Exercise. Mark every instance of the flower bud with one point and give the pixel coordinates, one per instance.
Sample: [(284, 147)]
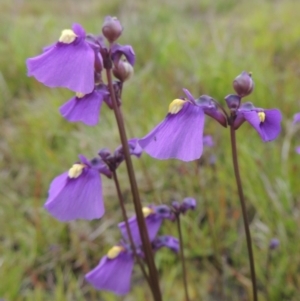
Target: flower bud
[(233, 102), (111, 28), (104, 153), (122, 70), (243, 84), (274, 244)]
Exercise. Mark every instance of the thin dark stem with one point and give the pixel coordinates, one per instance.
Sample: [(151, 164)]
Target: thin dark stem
[(121, 201), (268, 274), (135, 193), (243, 205), (182, 258)]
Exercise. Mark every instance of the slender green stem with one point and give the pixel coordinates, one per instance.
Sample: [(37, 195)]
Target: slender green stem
[(244, 211), (122, 205), (182, 258), (135, 193)]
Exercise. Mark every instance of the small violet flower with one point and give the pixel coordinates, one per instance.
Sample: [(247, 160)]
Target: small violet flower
[(114, 271), (154, 216), (265, 121), (85, 108), (69, 63), (77, 193), (180, 134)]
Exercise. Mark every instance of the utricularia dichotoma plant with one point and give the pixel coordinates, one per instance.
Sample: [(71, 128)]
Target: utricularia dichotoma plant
[(86, 64)]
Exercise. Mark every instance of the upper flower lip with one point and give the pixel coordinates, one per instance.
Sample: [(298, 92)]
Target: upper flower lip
[(66, 65)]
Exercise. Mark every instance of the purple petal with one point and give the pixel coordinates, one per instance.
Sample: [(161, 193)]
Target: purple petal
[(178, 136), (188, 204), (79, 30), (118, 50), (297, 149), (79, 198), (297, 117), (65, 65), (270, 128), (189, 96), (85, 109), (113, 274), (167, 241), (153, 223), (134, 147)]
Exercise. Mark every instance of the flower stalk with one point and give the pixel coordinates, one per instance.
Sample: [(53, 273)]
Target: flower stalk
[(182, 258), (135, 193), (244, 212), (125, 217)]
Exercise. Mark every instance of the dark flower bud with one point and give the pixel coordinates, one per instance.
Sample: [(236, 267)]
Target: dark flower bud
[(163, 211), (233, 102), (274, 244), (188, 203), (104, 153), (122, 70), (111, 28), (243, 84)]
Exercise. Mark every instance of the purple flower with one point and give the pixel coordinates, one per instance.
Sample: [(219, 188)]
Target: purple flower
[(180, 134), (297, 149), (85, 108), (113, 273), (77, 193), (265, 122), (69, 63), (154, 216)]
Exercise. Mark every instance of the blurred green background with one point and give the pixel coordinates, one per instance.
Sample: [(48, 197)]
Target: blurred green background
[(198, 45)]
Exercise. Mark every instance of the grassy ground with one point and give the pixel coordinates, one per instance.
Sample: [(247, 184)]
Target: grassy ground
[(199, 46)]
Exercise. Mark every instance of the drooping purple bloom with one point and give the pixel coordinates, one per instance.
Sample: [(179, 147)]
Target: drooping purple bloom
[(77, 194), (265, 122), (85, 109), (113, 274), (69, 63), (154, 216), (178, 136), (114, 271)]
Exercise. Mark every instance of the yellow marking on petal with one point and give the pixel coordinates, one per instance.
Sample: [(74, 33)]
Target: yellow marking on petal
[(67, 36), (261, 116), (176, 105), (76, 170), (114, 252), (147, 211), (79, 95)]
